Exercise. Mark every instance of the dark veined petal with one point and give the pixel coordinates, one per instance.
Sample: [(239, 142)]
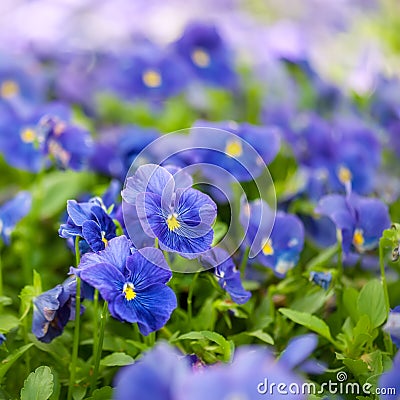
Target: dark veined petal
[(105, 222), (106, 278), (116, 253), (147, 267), (150, 213), (91, 232), (194, 206), (79, 212), (151, 308)]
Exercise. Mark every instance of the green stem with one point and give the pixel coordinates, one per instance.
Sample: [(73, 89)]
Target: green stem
[(26, 340), (75, 347), (243, 264), (97, 355), (95, 319), (387, 338), (190, 298), (383, 277)]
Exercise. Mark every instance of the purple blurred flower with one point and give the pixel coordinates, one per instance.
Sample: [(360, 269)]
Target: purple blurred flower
[(12, 212), (280, 248), (390, 379), (361, 220), (157, 375), (392, 325), (204, 51)]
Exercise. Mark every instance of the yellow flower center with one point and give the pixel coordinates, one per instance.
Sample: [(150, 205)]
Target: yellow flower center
[(103, 239), (267, 248), (9, 88), (358, 238), (151, 78), (129, 291), (233, 148), (201, 58), (345, 175), (172, 222), (28, 135)]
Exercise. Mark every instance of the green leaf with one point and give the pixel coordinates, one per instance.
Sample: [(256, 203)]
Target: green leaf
[(39, 385), (117, 359), (371, 301), (263, 336), (323, 258), (5, 301), (78, 392), (225, 345), (8, 322), (309, 321), (220, 229), (59, 186), (350, 296), (28, 293), (105, 393), (7, 363)]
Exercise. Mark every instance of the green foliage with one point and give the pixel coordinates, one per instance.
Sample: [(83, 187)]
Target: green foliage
[(39, 385)]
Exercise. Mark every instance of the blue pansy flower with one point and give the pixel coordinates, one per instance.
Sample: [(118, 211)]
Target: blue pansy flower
[(207, 55), (390, 380), (392, 325), (117, 148), (90, 221), (134, 285), (280, 247), (170, 210), (297, 353), (2, 339), (150, 72), (13, 211), (227, 273), (322, 279), (53, 309), (249, 376), (242, 149), (68, 144), (162, 366), (360, 220)]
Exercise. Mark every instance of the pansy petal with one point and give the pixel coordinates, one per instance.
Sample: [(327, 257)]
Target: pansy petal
[(91, 232), (147, 267), (195, 206), (78, 212), (150, 213), (182, 179), (105, 222), (150, 178), (151, 308), (298, 350), (116, 253), (106, 278), (132, 224), (373, 217)]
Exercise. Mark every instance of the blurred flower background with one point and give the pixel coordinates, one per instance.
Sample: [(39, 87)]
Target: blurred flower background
[(313, 86)]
